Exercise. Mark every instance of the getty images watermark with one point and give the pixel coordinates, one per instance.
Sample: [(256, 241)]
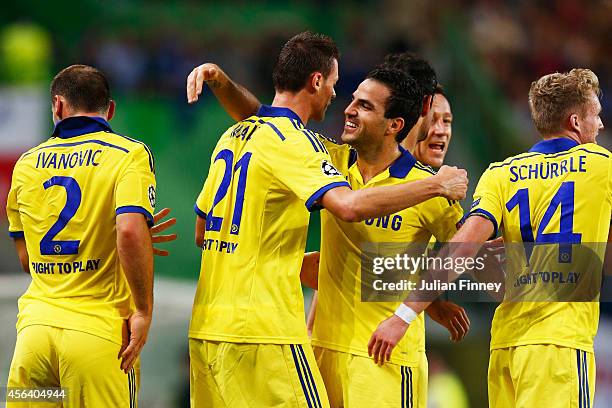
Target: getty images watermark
[(494, 272)]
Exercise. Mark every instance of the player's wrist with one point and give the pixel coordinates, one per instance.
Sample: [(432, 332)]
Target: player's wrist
[(405, 313), (438, 186)]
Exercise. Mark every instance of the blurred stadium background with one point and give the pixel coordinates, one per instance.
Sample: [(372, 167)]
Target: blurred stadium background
[(486, 53)]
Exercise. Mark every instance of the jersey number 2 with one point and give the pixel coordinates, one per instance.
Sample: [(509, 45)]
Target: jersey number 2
[(73, 200), (213, 223)]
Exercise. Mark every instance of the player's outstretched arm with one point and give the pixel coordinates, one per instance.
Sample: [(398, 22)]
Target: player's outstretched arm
[(237, 101), (200, 229), (450, 316), (160, 227), (22, 253), (312, 313), (309, 274), (467, 242), (135, 251), (359, 205)]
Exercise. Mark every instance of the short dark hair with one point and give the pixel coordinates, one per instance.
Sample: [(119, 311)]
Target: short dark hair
[(405, 99), (440, 91), (302, 55), (85, 88), (418, 68)]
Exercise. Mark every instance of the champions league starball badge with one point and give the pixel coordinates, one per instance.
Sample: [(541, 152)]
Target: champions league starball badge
[(329, 169), (152, 196)]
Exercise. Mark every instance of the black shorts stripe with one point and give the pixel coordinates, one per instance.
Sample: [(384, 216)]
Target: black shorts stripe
[(403, 400), (411, 393), (580, 394), (585, 372), (309, 377), (297, 367), (129, 375)]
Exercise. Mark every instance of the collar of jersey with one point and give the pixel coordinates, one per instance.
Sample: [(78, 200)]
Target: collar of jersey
[(275, 111), (556, 145), (80, 125), (400, 167), (403, 164)]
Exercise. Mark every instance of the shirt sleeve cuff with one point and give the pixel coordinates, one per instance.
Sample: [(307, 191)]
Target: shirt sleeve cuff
[(136, 209), (311, 202), (200, 213), (16, 234), (484, 213)]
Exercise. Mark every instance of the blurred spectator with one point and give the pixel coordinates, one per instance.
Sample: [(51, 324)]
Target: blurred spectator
[(123, 60), (25, 54), (445, 387)]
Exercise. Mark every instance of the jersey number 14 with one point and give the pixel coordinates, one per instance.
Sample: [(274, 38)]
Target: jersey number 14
[(566, 236)]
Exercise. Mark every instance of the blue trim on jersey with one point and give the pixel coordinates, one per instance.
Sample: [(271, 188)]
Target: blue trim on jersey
[(514, 159), (96, 141), (16, 234), (149, 152), (310, 203), (556, 145), (200, 213), (484, 213), (403, 164), (80, 125), (317, 141), (276, 112), (136, 209), (550, 155), (582, 149), (275, 129), (312, 142)]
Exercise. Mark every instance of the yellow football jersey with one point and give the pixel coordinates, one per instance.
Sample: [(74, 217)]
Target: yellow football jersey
[(558, 192), (344, 322), (64, 197), (266, 173)]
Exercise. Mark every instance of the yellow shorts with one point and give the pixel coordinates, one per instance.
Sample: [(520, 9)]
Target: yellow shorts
[(357, 382), (85, 365), (542, 375), (254, 375)]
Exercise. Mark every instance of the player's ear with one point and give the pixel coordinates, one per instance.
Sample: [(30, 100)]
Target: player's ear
[(574, 123), (396, 125), (57, 107), (111, 110), (316, 81)]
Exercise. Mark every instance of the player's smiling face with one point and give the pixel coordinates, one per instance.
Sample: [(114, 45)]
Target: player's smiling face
[(364, 118), (432, 150), (590, 121)]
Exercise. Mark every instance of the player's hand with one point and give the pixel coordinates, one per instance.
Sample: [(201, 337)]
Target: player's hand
[(451, 316), (453, 182), (138, 331), (160, 227), (206, 73), (386, 336)]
